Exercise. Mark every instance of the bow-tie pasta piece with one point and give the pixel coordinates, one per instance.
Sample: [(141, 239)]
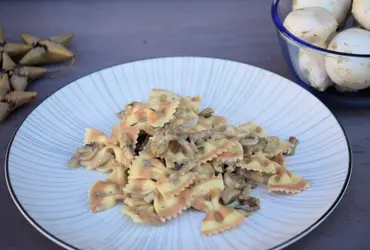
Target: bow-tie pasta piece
[(258, 163), (232, 155), (162, 95), (220, 219), (174, 183), (146, 167), (191, 103), (160, 114), (287, 182), (103, 195), (139, 187), (84, 154), (168, 207), (131, 108), (137, 118), (186, 114), (205, 187), (253, 128), (212, 148), (143, 214), (215, 121)]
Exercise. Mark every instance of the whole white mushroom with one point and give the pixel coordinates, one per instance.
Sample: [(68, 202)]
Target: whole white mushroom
[(361, 11), (313, 24), (312, 63), (350, 73), (339, 8)]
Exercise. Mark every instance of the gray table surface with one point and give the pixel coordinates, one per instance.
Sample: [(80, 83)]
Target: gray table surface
[(114, 32)]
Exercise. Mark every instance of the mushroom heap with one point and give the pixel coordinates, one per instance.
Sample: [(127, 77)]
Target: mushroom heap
[(321, 22), (166, 156), (14, 77)]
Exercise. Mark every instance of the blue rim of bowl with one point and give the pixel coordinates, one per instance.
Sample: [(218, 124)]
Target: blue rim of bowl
[(68, 246), (279, 24)]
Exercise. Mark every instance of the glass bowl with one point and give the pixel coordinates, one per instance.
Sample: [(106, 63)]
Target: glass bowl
[(291, 47)]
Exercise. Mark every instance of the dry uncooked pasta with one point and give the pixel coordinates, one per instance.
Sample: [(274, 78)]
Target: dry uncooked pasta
[(166, 156)]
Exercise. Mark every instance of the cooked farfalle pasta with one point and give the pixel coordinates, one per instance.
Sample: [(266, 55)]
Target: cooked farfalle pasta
[(166, 156)]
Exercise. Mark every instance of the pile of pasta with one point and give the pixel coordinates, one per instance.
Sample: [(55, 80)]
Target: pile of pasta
[(166, 156)]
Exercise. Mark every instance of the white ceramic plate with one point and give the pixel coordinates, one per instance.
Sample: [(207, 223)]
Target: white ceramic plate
[(53, 197)]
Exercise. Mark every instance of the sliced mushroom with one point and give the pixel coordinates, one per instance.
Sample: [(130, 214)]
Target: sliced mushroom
[(87, 152), (250, 140), (160, 142), (174, 146), (230, 168), (74, 162), (218, 167), (252, 204), (234, 181), (257, 177), (229, 195), (190, 122), (159, 147), (197, 169), (247, 191), (189, 148), (259, 147), (294, 142), (241, 172), (197, 137), (234, 204), (207, 112), (87, 149)]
